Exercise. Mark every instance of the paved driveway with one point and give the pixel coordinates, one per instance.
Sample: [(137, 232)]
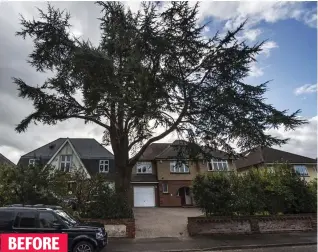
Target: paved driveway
[(163, 222)]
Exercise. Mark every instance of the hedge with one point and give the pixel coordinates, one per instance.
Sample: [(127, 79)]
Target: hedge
[(258, 191)]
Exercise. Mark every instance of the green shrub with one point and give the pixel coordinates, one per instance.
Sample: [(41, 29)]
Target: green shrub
[(259, 191), (213, 193)]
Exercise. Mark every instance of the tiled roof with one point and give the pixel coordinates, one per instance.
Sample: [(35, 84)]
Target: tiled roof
[(271, 155), (87, 148)]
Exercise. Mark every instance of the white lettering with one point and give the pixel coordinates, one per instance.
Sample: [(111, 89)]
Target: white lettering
[(28, 242), (12, 243), (55, 243), (21, 243), (33, 243), (46, 243), (37, 243)]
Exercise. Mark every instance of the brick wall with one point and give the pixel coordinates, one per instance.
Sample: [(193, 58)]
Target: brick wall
[(171, 199), (129, 223), (250, 224)]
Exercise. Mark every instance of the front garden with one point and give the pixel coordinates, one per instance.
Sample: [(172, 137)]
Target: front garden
[(257, 201)]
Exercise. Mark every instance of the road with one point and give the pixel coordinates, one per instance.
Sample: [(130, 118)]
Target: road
[(311, 248)]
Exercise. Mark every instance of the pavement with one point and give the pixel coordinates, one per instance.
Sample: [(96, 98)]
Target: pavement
[(214, 243), (163, 221), (310, 248)]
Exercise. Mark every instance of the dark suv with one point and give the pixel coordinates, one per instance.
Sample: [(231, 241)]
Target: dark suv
[(82, 237)]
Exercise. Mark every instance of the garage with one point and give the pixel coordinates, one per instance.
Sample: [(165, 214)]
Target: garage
[(144, 196)]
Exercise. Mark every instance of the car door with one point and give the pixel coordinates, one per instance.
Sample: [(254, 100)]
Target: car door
[(25, 222), (47, 222)]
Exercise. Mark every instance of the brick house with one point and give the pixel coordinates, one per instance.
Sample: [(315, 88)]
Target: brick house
[(162, 179)]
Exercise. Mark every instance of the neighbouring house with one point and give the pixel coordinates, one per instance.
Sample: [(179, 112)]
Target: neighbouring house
[(5, 161), (267, 157), (160, 178), (73, 153)]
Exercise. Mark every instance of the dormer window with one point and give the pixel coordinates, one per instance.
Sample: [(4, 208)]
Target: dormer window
[(103, 166), (144, 167), (65, 163)]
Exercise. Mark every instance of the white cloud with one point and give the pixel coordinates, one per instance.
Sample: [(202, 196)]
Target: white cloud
[(268, 46), (252, 34), (303, 140), (255, 70), (306, 89)]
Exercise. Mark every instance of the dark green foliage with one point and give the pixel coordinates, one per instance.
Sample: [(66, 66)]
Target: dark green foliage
[(147, 67), (30, 185), (107, 205), (256, 192), (216, 187)]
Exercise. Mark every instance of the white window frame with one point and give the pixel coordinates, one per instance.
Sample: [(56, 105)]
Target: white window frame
[(141, 164), (65, 162), (163, 188), (303, 174), (105, 164), (32, 161), (214, 162), (181, 168)]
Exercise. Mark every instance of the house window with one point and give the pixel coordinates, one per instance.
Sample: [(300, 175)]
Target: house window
[(144, 167), (165, 188), (301, 170), (32, 162), (178, 167), (103, 166), (66, 161), (218, 165)]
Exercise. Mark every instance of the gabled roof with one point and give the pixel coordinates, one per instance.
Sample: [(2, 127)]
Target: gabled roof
[(87, 148), (4, 160), (271, 155)]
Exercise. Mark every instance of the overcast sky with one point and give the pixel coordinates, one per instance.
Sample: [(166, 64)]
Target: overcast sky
[(289, 59)]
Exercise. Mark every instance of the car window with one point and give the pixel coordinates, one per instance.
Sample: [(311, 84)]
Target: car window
[(5, 218), (25, 220), (47, 219)]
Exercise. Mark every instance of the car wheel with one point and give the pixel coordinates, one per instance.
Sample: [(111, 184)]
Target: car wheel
[(83, 246)]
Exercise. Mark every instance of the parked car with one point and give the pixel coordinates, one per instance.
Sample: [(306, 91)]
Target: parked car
[(87, 236)]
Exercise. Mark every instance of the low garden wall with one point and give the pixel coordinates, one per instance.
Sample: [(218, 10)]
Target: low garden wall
[(120, 228), (250, 224)]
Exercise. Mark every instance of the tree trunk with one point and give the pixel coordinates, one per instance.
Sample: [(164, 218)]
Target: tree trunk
[(122, 167)]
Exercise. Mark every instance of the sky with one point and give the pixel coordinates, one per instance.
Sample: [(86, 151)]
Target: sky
[(288, 59)]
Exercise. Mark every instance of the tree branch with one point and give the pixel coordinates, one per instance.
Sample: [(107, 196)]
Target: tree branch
[(133, 160)]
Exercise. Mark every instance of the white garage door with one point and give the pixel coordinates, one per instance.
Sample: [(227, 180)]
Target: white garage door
[(144, 196)]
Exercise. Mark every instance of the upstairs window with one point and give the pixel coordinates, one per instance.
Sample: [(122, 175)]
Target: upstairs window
[(144, 167), (103, 166), (32, 161), (301, 170), (218, 165), (65, 163), (179, 167)]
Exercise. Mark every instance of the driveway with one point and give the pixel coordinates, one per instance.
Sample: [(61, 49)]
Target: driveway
[(163, 222)]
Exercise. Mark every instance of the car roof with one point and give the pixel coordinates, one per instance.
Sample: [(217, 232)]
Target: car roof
[(21, 207)]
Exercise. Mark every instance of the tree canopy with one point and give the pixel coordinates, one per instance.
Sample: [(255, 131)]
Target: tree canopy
[(151, 68)]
